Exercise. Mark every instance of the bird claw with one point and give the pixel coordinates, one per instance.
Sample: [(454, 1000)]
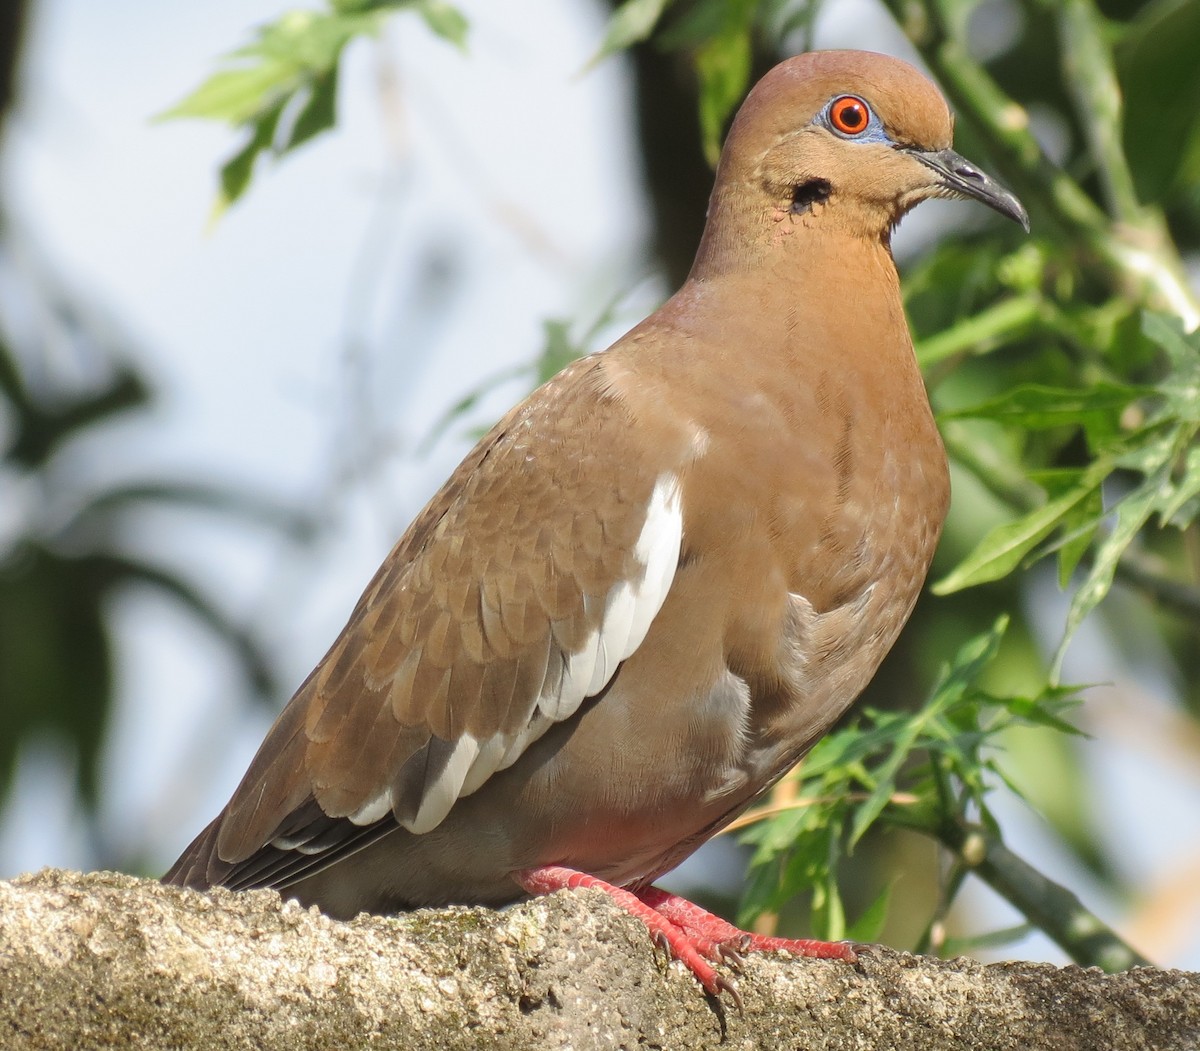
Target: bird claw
[(859, 951), (713, 982), (728, 985), (731, 957)]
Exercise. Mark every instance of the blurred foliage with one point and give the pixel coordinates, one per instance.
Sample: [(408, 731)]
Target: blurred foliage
[(561, 346), (719, 36), (65, 551)]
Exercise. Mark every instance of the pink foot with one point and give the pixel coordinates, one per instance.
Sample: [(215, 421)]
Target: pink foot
[(702, 925), (686, 931)]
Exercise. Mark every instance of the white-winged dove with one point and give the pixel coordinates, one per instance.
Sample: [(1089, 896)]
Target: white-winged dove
[(659, 579)]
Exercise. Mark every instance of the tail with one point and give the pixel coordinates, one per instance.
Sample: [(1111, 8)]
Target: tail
[(198, 866)]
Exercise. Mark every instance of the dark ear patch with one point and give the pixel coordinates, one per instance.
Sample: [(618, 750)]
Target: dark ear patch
[(804, 196)]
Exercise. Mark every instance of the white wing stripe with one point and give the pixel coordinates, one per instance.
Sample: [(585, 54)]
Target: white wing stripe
[(604, 666), (443, 793), (538, 725), (630, 606), (487, 762), (373, 809), (658, 550)]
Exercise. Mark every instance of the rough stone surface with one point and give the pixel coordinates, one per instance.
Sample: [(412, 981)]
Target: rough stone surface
[(109, 961)]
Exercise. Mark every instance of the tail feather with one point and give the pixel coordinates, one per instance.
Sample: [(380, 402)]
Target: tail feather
[(199, 866)]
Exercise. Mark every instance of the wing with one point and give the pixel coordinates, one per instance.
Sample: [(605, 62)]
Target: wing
[(513, 597)]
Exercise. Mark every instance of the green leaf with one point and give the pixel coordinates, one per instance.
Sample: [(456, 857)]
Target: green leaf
[(970, 659), (1167, 331), (1156, 63), (704, 20), (723, 65), (1185, 491), (233, 95), (760, 889), (318, 113), (446, 20), (869, 925), (998, 553), (1043, 709), (1182, 386), (291, 68), (847, 747), (779, 832), (777, 19), (630, 24), (828, 911), (311, 40), (798, 863), (283, 59), (1038, 406), (994, 327), (885, 785), (1079, 527), (558, 351), (1131, 514), (800, 849), (237, 172)]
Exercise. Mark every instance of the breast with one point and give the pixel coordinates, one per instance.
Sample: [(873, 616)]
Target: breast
[(816, 512)]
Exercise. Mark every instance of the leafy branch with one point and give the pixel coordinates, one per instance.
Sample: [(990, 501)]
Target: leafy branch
[(280, 90), (928, 771), (1157, 464)]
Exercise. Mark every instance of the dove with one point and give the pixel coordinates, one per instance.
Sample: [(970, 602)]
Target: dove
[(659, 579)]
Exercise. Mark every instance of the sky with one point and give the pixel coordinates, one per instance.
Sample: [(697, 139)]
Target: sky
[(306, 342)]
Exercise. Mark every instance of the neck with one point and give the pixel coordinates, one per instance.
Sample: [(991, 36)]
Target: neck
[(775, 274), (747, 234)]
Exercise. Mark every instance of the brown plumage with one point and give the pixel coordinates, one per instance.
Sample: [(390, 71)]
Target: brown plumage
[(661, 578)]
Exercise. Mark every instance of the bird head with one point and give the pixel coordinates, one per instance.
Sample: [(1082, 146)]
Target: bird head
[(845, 141)]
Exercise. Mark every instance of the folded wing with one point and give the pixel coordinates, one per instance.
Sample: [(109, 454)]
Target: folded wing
[(513, 597)]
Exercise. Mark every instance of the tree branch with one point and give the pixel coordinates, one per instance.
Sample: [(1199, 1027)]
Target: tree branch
[(1049, 906), (1092, 81)]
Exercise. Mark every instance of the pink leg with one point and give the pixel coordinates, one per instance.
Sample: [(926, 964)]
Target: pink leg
[(687, 931)]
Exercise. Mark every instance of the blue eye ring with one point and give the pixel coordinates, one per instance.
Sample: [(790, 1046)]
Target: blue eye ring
[(850, 117)]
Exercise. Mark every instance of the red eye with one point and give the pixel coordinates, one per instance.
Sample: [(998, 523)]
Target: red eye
[(849, 115)]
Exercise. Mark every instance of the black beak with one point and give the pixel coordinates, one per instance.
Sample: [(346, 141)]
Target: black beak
[(962, 177)]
